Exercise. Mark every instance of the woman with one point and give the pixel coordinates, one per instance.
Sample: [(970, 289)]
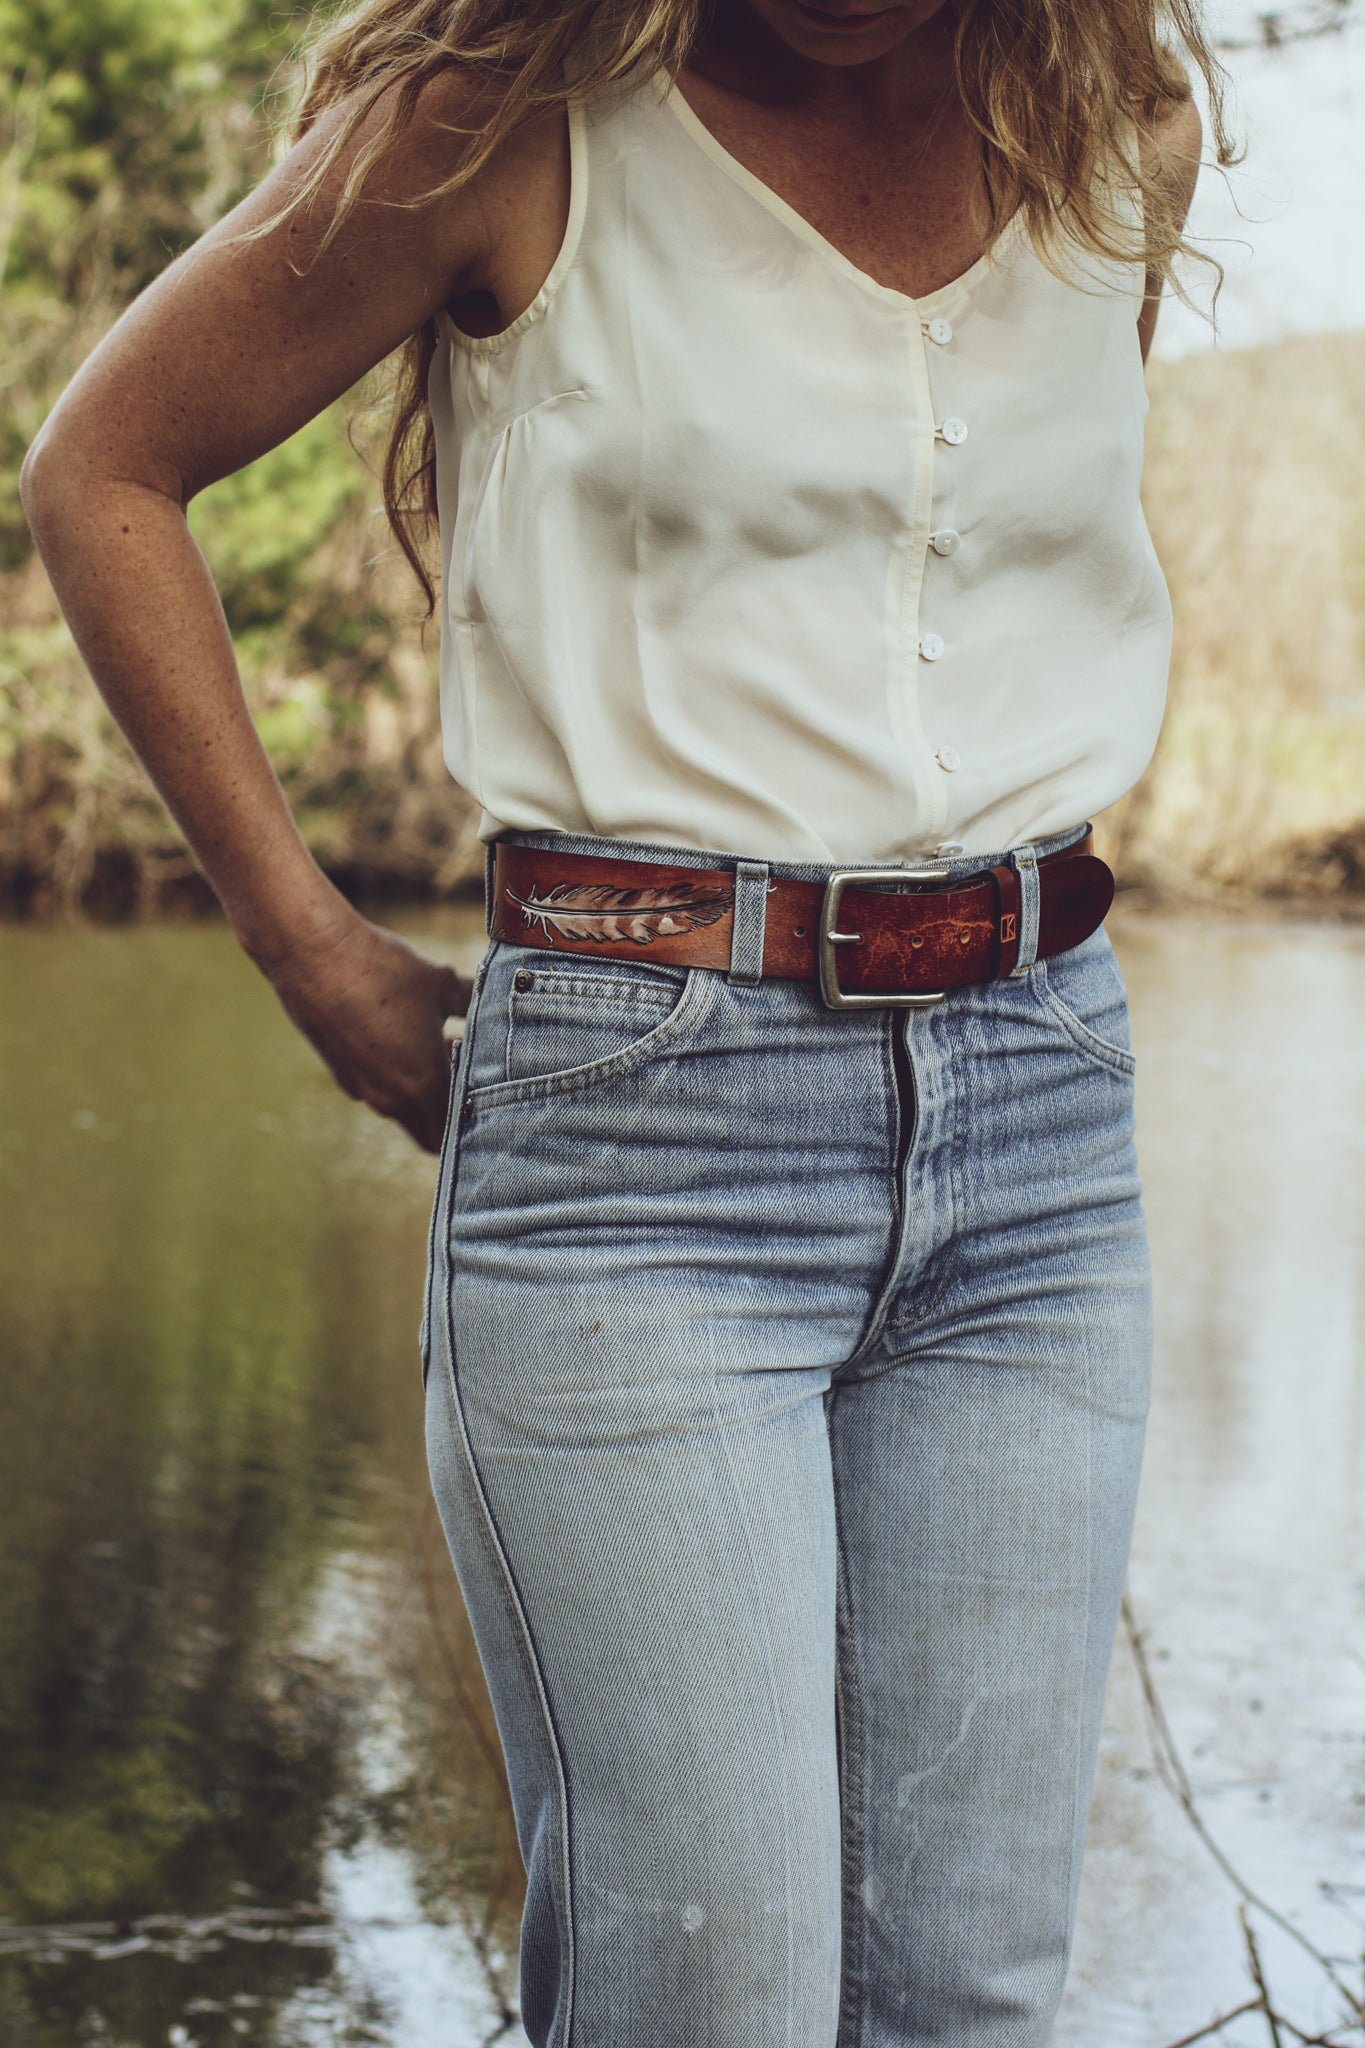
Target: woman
[(786, 1336)]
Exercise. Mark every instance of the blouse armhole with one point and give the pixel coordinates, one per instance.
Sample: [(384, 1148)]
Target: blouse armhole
[(493, 344)]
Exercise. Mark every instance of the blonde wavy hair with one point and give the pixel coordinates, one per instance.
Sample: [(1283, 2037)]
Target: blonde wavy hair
[(1051, 87)]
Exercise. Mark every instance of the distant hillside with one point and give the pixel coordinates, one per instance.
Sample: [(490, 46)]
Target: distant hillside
[(1253, 493)]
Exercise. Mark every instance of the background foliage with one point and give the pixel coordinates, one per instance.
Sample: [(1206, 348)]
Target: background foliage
[(128, 126)]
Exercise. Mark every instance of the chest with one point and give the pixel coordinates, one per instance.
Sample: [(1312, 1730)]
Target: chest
[(908, 208)]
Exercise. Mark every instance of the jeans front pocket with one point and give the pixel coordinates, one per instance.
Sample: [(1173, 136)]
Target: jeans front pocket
[(1083, 991), (572, 1022)]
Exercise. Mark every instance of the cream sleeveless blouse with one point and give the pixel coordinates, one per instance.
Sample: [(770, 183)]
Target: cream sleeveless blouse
[(744, 551)]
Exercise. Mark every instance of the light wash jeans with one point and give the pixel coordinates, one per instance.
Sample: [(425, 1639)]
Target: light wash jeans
[(786, 1376)]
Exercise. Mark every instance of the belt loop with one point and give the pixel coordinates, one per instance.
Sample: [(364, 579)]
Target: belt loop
[(750, 920), (1024, 861), (488, 858)]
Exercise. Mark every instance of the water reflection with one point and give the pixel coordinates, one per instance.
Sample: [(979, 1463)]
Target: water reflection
[(237, 1690), (212, 1510)]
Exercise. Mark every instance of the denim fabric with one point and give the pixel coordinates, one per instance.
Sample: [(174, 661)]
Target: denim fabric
[(786, 1379)]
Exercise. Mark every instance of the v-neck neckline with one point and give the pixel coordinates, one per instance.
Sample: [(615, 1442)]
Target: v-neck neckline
[(782, 210)]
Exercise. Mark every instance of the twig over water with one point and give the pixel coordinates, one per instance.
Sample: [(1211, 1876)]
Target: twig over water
[(1258, 1975), (1216, 2026), (1172, 1772)]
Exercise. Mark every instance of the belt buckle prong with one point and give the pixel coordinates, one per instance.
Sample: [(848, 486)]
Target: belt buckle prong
[(835, 885)]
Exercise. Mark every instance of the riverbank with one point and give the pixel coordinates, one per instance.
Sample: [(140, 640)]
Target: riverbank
[(1256, 794)]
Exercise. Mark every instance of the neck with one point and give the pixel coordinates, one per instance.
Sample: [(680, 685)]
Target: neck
[(739, 52)]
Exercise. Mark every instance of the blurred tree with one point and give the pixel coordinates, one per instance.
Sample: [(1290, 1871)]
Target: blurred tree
[(156, 100), (127, 127)]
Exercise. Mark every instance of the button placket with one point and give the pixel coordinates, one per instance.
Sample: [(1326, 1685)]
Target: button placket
[(945, 540), (907, 709)]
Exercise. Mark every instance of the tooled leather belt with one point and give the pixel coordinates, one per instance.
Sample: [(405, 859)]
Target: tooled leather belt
[(868, 936)]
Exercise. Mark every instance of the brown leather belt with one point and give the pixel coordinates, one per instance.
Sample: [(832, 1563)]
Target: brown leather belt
[(868, 936)]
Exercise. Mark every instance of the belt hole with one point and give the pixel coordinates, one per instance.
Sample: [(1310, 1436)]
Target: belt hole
[(798, 931), (917, 938)]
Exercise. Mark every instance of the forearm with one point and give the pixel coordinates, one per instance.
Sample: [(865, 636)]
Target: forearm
[(148, 622)]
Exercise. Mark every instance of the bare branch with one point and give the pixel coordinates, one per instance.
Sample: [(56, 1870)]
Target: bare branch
[(1172, 1772)]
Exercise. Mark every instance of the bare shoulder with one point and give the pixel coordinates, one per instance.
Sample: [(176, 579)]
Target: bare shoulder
[(407, 186), (494, 235), (293, 296)]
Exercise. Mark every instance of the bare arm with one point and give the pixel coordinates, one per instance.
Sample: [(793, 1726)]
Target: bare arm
[(228, 353), (1174, 149)]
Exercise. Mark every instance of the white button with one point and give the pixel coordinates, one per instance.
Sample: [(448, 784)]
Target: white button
[(940, 331), (948, 758), (931, 646), (950, 846), (954, 430), (945, 543)]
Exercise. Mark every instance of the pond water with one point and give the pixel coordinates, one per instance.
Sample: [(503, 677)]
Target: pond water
[(250, 1790)]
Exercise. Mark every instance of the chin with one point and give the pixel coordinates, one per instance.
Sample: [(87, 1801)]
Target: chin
[(834, 46)]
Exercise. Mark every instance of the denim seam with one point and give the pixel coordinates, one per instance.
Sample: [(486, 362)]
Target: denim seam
[(1112, 1057), (445, 1202), (559, 2038), (585, 988), (881, 1300), (933, 1284), (448, 1164), (938, 1272), (686, 1013), (943, 1268), (848, 1694), (742, 1499), (1077, 1818)]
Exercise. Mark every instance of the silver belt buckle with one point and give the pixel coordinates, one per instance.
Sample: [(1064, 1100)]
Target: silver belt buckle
[(835, 886)]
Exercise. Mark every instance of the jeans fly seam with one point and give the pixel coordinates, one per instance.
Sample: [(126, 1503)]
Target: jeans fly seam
[(724, 1435), (943, 1267), (565, 2037), (938, 1269), (877, 1311)]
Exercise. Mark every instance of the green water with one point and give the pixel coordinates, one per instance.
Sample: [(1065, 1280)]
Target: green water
[(212, 1501), (249, 1784)]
